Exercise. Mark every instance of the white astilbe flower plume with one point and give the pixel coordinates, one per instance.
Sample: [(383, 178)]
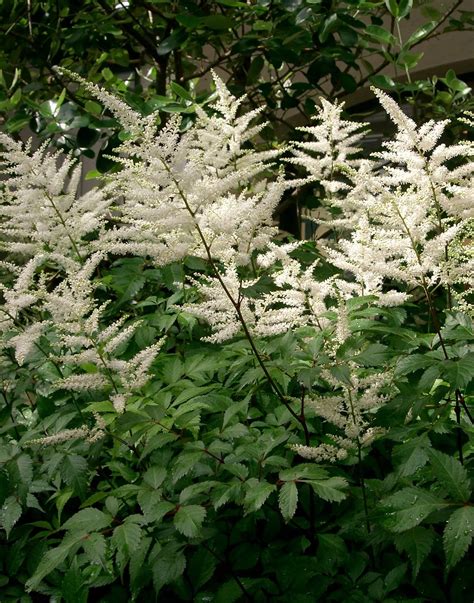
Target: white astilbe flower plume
[(331, 153), (134, 123), (196, 192), (78, 322), (40, 208), (24, 343), (89, 434), (349, 410), (298, 298), (403, 209)]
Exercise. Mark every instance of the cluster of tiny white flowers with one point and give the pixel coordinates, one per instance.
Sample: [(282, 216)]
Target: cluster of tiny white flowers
[(40, 209), (89, 434), (403, 208), (323, 452), (195, 193), (349, 411)]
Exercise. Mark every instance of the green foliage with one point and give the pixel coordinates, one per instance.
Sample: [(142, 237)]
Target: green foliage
[(279, 53), (197, 493)]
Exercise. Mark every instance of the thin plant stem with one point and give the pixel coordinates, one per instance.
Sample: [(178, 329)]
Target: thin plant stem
[(457, 410), (312, 502), (235, 304), (245, 592)]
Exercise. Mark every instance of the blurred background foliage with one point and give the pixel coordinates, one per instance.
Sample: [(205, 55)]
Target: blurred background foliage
[(158, 54)]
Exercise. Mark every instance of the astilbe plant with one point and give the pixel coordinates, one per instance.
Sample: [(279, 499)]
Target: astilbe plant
[(168, 463)]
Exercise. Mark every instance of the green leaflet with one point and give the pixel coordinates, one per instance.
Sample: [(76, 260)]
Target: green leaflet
[(10, 513), (126, 539), (416, 543), (168, 565), (229, 592), (137, 567), (74, 471), (74, 588), (257, 494), (288, 499), (412, 455), (331, 489), (374, 355), (458, 534), (409, 507), (303, 472), (459, 372), (52, 559), (201, 567), (155, 476), (87, 520), (451, 475), (188, 520), (95, 548)]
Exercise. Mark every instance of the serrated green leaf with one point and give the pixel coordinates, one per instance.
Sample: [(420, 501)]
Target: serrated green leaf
[(232, 411), (10, 514), (52, 559), (73, 586), (201, 567), (87, 520), (394, 578), (127, 536), (224, 493), (332, 552), (257, 493), (459, 372), (330, 489), (137, 566), (33, 503), (152, 506), (413, 363), (74, 472), (412, 455), (416, 543), (188, 520), (168, 566), (409, 507), (458, 533), (288, 500), (95, 548), (304, 471), (195, 490), (155, 476), (185, 463), (375, 354), (61, 500), (126, 540), (451, 475), (24, 465)]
